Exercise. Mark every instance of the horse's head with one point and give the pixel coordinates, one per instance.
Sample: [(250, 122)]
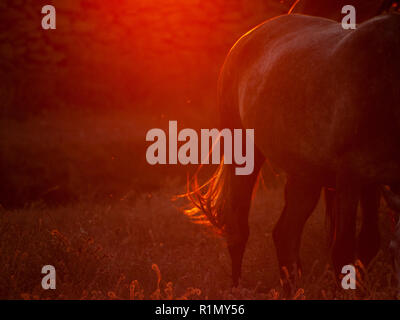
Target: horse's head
[(332, 9)]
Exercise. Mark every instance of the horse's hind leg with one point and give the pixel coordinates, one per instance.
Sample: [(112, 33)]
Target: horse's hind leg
[(237, 226), (301, 197), (348, 192), (369, 238)]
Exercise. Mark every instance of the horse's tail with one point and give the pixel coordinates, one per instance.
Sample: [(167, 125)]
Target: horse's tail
[(212, 198), (226, 195)]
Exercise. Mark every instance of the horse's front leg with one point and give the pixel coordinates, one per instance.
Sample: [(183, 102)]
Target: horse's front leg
[(301, 197)]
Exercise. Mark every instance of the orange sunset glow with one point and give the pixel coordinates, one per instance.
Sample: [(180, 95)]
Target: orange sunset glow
[(85, 103)]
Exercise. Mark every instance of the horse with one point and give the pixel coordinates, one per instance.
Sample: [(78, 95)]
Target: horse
[(323, 103)]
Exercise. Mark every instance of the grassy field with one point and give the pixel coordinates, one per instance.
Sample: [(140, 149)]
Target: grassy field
[(78, 195)]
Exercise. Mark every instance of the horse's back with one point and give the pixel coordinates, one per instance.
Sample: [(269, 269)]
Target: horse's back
[(278, 64), (296, 76)]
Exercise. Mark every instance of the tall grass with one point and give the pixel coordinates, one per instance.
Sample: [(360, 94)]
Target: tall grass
[(150, 250)]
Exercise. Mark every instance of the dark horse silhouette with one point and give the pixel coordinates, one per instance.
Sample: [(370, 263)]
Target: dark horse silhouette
[(324, 103)]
